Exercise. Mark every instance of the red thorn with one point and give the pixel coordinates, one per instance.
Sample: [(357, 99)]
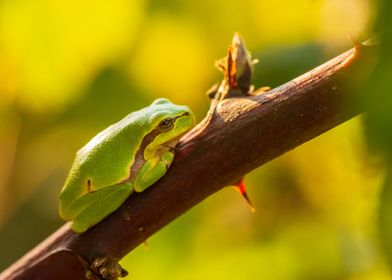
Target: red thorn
[(240, 185)]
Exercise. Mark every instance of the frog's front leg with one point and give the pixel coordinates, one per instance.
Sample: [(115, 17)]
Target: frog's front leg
[(152, 170)]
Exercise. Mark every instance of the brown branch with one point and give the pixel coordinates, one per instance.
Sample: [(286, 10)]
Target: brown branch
[(244, 133)]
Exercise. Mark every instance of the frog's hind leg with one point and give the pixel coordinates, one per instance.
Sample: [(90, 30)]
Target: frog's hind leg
[(99, 204), (74, 209)]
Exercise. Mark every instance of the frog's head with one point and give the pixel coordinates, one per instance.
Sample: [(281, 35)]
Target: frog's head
[(169, 122)]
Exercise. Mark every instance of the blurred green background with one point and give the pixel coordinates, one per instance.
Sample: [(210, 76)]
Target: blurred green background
[(70, 68)]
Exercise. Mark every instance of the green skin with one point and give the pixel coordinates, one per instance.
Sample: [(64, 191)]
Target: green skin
[(128, 156)]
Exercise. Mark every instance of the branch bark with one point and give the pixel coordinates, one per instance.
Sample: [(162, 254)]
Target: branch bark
[(244, 133)]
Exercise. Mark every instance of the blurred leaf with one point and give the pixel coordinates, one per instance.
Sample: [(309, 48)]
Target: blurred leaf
[(379, 98), (385, 219), (53, 47), (281, 64), (172, 60), (379, 121)]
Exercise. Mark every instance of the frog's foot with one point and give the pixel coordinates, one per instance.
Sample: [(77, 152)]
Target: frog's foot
[(107, 269), (240, 185)]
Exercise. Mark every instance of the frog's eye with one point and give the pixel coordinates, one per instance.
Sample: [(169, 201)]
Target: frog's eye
[(166, 124)]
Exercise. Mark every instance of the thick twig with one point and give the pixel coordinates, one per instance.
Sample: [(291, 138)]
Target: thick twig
[(244, 133)]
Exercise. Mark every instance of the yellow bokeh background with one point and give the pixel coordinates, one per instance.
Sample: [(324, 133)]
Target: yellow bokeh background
[(70, 68)]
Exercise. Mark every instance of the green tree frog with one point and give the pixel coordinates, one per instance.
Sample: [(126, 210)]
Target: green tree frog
[(128, 156)]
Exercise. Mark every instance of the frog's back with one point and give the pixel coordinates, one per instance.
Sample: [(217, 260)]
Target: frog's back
[(107, 158)]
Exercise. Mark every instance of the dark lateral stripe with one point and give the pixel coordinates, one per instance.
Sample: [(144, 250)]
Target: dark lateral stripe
[(139, 160)]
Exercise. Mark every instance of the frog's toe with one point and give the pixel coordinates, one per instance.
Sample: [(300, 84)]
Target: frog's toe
[(107, 268)]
